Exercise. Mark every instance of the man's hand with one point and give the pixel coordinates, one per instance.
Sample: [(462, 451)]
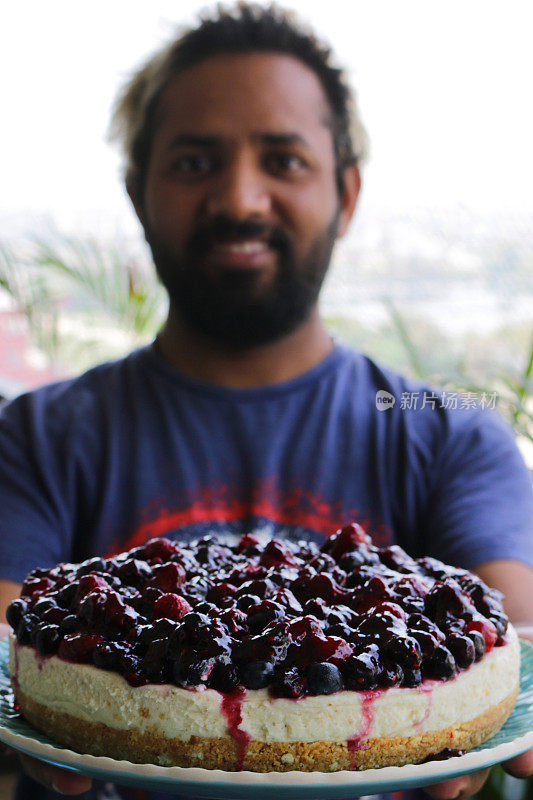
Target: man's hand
[(61, 780), (467, 785)]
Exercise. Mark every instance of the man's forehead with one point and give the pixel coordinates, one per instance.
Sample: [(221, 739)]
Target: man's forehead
[(269, 92)]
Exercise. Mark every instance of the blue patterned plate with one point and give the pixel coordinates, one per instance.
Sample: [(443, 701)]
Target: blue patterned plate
[(515, 737)]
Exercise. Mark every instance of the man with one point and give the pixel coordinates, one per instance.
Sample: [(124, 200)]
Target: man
[(244, 413)]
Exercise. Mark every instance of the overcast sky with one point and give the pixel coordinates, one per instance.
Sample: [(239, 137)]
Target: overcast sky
[(444, 88)]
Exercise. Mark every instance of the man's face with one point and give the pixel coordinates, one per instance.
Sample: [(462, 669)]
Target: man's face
[(240, 203)]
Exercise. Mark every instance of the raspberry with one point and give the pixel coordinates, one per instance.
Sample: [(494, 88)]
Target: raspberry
[(171, 606), (487, 630)]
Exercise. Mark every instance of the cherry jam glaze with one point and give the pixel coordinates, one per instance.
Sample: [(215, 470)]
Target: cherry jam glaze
[(291, 617)]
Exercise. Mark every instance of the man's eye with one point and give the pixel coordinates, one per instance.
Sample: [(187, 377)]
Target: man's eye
[(192, 165), (285, 163)]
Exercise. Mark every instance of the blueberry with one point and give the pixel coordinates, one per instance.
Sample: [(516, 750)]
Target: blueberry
[(91, 565), (69, 625), (316, 608), (462, 649), (500, 622), (290, 683), (246, 600), (479, 644), (257, 674), (224, 678), (162, 628), (441, 664), (391, 675), (412, 604), (428, 644), (176, 641), (192, 673), (352, 560), (42, 605), (65, 596), (204, 607), (15, 611), (361, 671), (47, 639), (445, 601), (39, 572), (129, 663), (153, 662), (24, 630), (134, 572), (412, 677), (195, 622), (106, 655), (341, 630), (268, 611), (323, 678), (405, 650)]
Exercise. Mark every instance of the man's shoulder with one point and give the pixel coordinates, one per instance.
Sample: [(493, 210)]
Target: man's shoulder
[(78, 396), (380, 388), (374, 376), (425, 412)]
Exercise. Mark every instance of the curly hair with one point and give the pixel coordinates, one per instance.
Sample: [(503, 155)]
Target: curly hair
[(243, 28)]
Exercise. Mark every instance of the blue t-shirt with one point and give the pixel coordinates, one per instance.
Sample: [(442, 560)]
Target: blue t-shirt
[(134, 449)]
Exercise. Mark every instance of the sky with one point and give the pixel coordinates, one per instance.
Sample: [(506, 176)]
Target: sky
[(444, 88)]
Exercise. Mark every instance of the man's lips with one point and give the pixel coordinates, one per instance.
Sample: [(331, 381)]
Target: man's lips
[(241, 254)]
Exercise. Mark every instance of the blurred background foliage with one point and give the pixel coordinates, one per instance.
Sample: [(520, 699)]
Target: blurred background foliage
[(87, 300)]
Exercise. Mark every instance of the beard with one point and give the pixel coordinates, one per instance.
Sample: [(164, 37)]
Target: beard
[(232, 308)]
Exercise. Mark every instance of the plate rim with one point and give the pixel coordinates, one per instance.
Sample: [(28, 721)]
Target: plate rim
[(381, 778)]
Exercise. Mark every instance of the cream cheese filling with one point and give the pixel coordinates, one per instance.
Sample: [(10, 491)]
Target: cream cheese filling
[(96, 695)]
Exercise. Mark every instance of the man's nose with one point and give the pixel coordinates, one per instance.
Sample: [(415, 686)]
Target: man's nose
[(241, 191)]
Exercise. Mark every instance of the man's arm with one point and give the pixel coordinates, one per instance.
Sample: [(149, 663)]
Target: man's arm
[(9, 590), (515, 580)]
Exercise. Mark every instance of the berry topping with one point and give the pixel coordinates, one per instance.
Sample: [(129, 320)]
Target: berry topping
[(257, 674), (167, 577), (361, 671), (486, 628), (281, 615), (247, 542), (323, 678), (345, 540), (170, 606), (275, 554), (479, 643), (79, 647), (15, 611)]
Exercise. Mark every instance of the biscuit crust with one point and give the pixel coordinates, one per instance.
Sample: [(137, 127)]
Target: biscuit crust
[(223, 753)]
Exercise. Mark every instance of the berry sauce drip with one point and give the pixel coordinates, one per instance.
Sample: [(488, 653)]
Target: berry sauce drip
[(285, 616), (231, 707), (427, 688), (444, 755), (358, 740), (15, 676)]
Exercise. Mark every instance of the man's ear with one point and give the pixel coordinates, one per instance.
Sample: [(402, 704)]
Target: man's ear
[(352, 185), (133, 190)]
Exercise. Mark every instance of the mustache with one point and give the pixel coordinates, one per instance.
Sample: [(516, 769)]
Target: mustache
[(225, 229)]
